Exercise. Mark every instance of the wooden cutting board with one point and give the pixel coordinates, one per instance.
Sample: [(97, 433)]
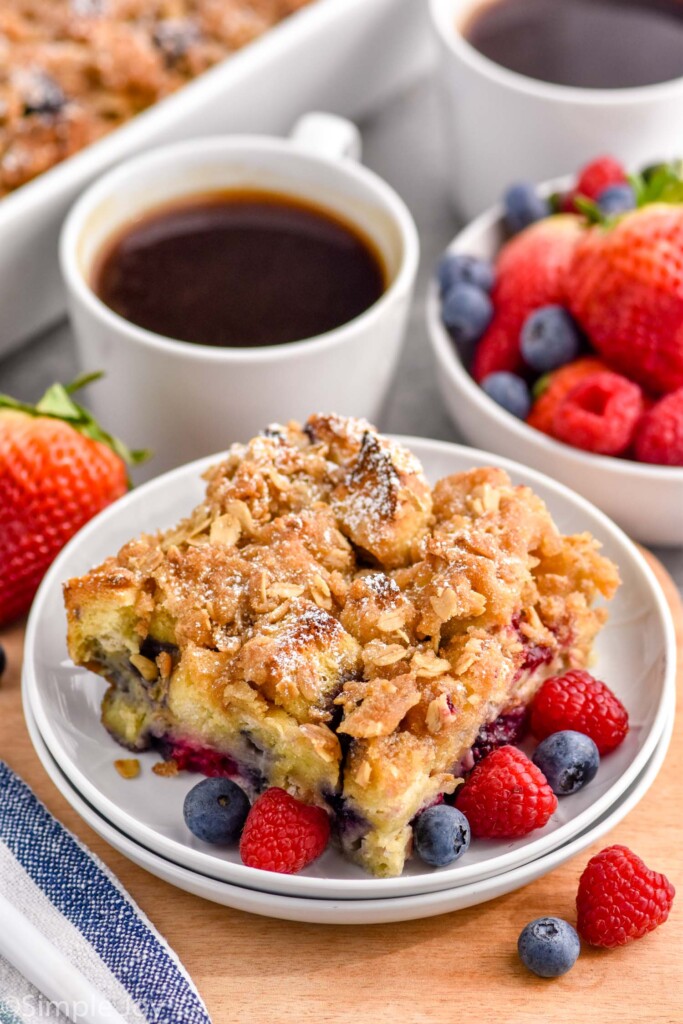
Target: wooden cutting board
[(444, 970)]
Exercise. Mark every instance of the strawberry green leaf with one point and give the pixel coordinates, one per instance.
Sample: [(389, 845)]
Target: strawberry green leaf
[(84, 380), (590, 210), (639, 185), (541, 385), (7, 402), (58, 404), (661, 184), (555, 202), (672, 192), (89, 426)]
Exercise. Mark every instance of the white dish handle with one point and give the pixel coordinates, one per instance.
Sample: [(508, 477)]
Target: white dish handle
[(328, 135)]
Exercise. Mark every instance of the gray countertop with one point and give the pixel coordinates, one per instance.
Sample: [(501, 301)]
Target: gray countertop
[(402, 143)]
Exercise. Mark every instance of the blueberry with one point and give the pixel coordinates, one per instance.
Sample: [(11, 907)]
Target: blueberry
[(454, 267), (548, 946), (466, 312), (549, 339), (3, 661), (509, 391), (175, 37), (617, 199), (524, 206), (441, 835), (215, 810), (40, 93), (151, 648), (568, 759)]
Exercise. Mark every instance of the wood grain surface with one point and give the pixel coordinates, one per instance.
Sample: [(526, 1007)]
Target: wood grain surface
[(462, 966)]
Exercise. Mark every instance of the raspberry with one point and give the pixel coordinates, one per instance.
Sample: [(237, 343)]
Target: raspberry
[(578, 701), (620, 899), (600, 414), (560, 383), (595, 177), (506, 796), (659, 436), (282, 834), (598, 175)]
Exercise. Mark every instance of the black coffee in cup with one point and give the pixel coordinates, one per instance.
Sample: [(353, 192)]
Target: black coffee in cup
[(592, 44), (240, 269)]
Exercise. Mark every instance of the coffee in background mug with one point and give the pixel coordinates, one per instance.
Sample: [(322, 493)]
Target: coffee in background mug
[(508, 123)]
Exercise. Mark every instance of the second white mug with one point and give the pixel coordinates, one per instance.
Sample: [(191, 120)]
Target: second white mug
[(501, 127)]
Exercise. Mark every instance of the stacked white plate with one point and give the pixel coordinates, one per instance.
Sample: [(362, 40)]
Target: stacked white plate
[(143, 817)]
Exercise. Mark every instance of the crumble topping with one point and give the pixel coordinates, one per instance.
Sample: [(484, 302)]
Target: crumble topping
[(128, 767)]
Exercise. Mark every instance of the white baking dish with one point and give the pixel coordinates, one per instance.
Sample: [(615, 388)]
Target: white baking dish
[(345, 56)]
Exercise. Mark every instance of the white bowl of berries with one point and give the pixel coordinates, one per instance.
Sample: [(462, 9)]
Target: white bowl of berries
[(556, 320)]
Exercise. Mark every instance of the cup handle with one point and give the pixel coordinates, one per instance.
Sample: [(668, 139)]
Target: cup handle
[(328, 135)]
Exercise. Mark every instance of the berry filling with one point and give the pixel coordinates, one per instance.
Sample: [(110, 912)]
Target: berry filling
[(193, 758), (535, 656), (509, 727), (152, 648), (349, 826)]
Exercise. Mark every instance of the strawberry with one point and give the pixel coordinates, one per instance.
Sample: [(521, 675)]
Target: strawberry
[(57, 469), (531, 271), (625, 287)]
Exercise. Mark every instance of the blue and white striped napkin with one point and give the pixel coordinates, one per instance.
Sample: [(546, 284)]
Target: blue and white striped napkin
[(75, 901)]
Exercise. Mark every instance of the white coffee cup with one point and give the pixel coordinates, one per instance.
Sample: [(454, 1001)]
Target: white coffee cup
[(501, 127), (184, 400)]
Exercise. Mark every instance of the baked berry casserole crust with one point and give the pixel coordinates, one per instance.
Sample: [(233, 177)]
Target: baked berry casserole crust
[(328, 623), (71, 70)]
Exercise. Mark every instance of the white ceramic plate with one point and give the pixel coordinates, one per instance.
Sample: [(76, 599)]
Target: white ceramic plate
[(374, 911), (636, 656)]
